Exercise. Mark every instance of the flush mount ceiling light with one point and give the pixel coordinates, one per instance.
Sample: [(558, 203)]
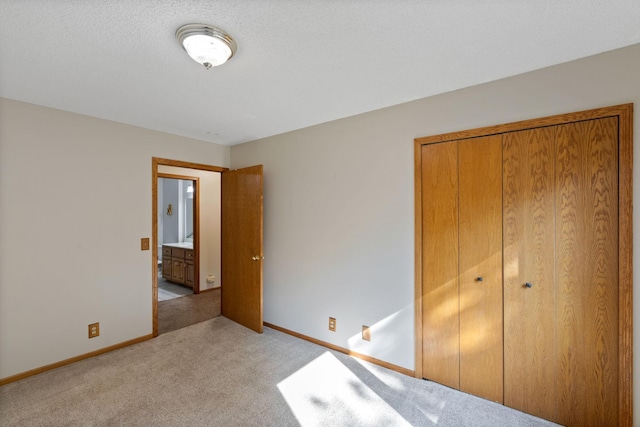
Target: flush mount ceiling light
[(207, 45)]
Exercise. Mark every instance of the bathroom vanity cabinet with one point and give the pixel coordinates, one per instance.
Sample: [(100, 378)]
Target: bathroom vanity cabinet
[(177, 263)]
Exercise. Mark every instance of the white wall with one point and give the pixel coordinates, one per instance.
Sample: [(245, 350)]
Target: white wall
[(339, 208), (75, 199), (169, 222), (210, 237)]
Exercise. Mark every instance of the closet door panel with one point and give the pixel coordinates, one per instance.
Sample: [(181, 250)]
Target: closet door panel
[(529, 243), (587, 272), (481, 328), (440, 338)]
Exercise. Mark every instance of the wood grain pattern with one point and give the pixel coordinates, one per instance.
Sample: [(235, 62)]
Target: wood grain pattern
[(480, 236), (418, 273), (587, 272), (154, 246), (613, 111), (625, 266), (196, 237), (440, 327), (188, 165), (529, 241), (242, 241)]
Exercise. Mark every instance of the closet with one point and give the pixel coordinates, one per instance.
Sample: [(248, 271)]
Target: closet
[(523, 281)]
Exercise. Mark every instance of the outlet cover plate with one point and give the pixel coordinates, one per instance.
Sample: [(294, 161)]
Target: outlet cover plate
[(332, 324), (94, 330), (366, 333)]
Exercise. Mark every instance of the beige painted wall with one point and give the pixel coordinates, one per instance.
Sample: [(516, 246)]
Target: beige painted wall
[(339, 208), (209, 221), (75, 199)]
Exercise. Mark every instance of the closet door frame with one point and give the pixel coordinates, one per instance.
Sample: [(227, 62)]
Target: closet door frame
[(624, 114)]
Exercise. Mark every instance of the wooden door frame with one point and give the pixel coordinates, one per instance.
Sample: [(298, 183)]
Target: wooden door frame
[(624, 113), (155, 162)]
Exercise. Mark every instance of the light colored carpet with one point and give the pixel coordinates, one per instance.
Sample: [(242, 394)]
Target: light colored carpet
[(218, 373)]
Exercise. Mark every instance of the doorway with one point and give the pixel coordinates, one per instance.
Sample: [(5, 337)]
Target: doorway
[(189, 248), (178, 236), (241, 233), (181, 259)]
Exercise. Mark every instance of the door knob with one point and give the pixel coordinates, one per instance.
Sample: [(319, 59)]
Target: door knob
[(528, 285), (479, 279), (255, 258)]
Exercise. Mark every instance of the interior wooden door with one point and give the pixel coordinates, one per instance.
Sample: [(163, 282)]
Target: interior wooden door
[(242, 254), (529, 279), (587, 272), (440, 331), (480, 237)]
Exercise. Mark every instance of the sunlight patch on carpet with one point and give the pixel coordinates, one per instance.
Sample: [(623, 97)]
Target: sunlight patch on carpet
[(383, 374), (326, 392)]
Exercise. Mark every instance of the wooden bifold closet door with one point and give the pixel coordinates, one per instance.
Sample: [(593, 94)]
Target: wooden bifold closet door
[(480, 196), (463, 257), (520, 269), (561, 263), (440, 289), (587, 272), (529, 252)]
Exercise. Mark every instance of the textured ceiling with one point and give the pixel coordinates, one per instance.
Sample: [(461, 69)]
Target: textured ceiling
[(298, 63)]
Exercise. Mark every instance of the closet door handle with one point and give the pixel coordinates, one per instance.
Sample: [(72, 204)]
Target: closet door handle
[(528, 285), (479, 279)]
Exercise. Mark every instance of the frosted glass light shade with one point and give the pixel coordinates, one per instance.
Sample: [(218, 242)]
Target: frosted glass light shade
[(206, 45)]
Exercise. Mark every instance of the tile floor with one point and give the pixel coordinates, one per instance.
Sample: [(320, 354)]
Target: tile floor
[(169, 290)]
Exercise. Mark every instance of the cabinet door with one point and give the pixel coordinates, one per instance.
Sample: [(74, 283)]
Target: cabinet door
[(189, 276), (177, 271), (529, 239), (440, 340), (480, 228), (166, 268), (587, 272)]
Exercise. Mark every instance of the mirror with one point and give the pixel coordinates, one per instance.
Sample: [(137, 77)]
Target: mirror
[(175, 210)]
